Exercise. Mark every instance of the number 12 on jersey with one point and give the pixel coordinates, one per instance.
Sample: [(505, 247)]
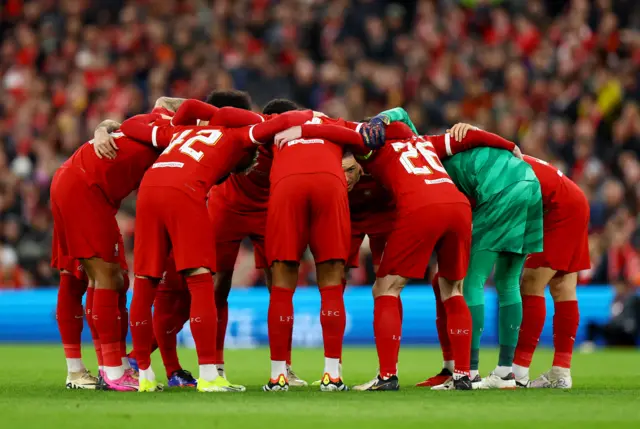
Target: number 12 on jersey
[(208, 137)]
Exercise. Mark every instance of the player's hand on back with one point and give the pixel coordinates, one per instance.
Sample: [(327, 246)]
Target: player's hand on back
[(103, 144), (319, 115), (459, 131), (284, 137)]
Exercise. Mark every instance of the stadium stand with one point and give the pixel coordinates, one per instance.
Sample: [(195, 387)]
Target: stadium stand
[(560, 78)]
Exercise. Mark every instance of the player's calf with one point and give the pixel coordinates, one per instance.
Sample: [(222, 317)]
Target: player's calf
[(532, 289), (459, 327), (565, 327), (141, 322), (446, 373), (333, 321), (70, 316), (203, 321), (109, 282), (280, 322), (387, 327), (222, 285)]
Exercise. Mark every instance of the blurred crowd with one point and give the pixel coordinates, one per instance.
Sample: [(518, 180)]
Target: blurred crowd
[(560, 78)]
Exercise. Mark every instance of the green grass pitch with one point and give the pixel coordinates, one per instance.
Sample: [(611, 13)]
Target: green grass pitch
[(606, 394)]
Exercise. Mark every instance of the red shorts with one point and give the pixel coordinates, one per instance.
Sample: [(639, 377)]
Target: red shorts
[(377, 227), (171, 278), (75, 267), (84, 223), (445, 228), (308, 209), (167, 219), (566, 233), (230, 227)]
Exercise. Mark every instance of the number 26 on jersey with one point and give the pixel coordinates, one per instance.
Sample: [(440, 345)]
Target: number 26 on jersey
[(420, 158)]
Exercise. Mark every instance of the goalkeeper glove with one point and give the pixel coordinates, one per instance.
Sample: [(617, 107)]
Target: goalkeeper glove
[(374, 132)]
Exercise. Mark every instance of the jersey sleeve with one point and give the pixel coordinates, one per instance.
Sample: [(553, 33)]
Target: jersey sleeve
[(143, 129), (398, 114), (191, 110), (232, 117), (447, 146), (266, 131), (341, 122), (338, 135)]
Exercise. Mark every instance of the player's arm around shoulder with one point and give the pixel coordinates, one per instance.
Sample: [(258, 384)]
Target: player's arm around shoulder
[(148, 129), (462, 137)]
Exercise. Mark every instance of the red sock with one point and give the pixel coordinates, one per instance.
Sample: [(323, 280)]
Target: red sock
[(223, 320), (400, 309), (332, 319), (290, 346), (534, 312), (92, 326), (141, 320), (70, 314), (280, 322), (124, 316), (203, 317), (154, 347), (106, 321), (166, 326), (565, 327), (344, 285), (459, 327), (387, 329), (441, 322)]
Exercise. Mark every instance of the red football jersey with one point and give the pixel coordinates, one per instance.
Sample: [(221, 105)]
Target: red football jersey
[(308, 155), (198, 157), (250, 191), (549, 177), (118, 177), (411, 169)]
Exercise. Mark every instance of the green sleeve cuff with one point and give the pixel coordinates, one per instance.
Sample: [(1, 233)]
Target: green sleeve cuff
[(364, 157)]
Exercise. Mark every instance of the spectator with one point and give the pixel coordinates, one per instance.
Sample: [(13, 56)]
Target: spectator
[(560, 78)]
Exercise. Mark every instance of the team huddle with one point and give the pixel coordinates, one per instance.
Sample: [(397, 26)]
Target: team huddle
[(211, 174)]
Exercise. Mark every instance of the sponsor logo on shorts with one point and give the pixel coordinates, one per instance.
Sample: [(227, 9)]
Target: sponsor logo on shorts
[(168, 165), (305, 141)]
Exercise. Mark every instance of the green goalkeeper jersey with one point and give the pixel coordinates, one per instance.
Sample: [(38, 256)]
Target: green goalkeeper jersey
[(508, 203)]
